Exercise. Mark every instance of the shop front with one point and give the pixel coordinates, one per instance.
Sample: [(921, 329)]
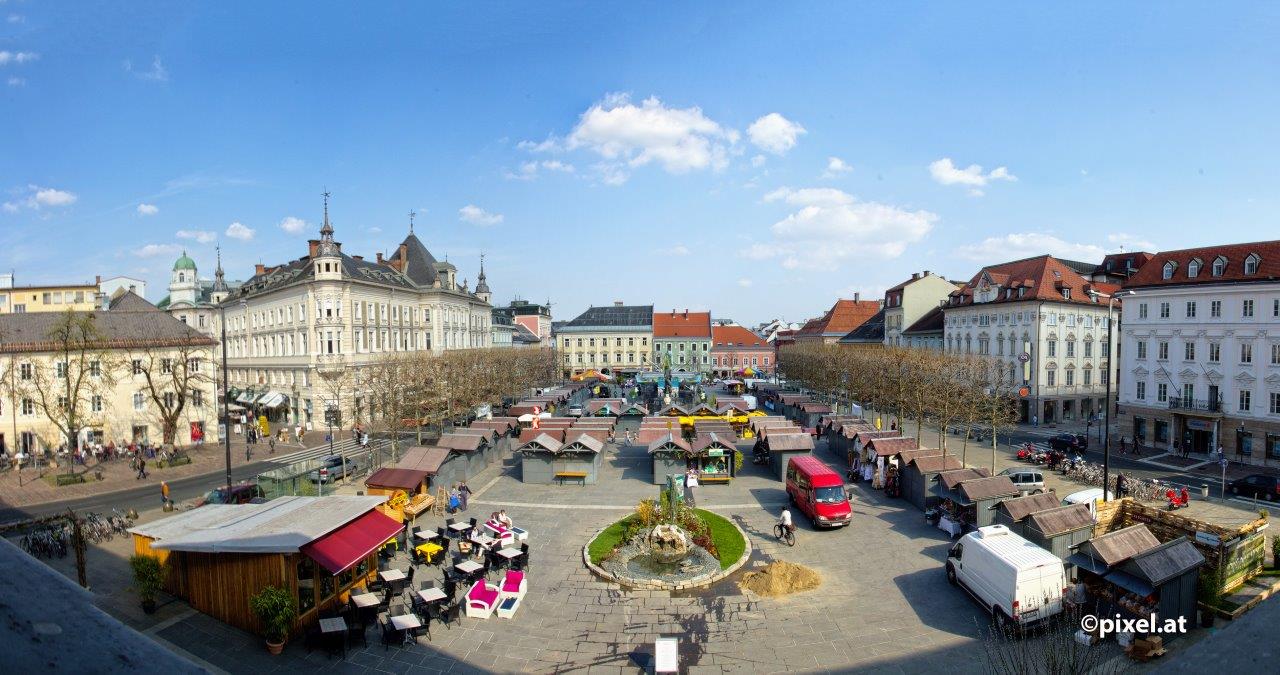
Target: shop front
[(1198, 434)]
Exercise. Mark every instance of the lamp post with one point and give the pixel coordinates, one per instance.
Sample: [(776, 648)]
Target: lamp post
[(1111, 350)]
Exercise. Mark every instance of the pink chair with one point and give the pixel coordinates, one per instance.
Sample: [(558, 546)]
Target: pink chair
[(481, 600), (514, 585)]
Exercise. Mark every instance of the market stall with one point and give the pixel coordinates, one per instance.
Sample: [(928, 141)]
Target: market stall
[(782, 447), (966, 497), (670, 454), (713, 457), (544, 460), (919, 475), (1059, 530), (1012, 513)]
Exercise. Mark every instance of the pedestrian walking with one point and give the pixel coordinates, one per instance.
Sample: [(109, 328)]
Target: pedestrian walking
[(1035, 420), (464, 494), (1122, 445), (142, 469), (1122, 486), (271, 444), (690, 483), (248, 452), (164, 493), (455, 499)]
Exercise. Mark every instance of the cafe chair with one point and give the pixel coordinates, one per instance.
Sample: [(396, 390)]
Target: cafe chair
[(390, 635), (514, 585), (481, 600), (356, 633), (448, 524)]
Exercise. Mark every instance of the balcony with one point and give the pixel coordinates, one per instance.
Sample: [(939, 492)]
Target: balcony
[(1196, 404), (331, 362)]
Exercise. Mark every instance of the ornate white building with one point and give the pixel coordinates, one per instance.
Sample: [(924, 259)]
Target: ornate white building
[(302, 334)]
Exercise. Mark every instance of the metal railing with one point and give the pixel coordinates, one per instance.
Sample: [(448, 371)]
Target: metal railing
[(1200, 404)]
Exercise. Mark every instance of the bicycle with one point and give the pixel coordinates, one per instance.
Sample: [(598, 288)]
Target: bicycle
[(785, 534)]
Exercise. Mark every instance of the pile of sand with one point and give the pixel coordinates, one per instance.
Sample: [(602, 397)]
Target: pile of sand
[(780, 578)]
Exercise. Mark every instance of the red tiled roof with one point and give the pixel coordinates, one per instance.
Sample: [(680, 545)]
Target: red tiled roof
[(681, 324), (843, 317), (1044, 277), (721, 336), (1152, 273)]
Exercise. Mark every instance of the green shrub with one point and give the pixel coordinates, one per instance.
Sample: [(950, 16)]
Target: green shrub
[(604, 544), (276, 608), (1275, 551), (148, 576), (727, 540), (738, 458)]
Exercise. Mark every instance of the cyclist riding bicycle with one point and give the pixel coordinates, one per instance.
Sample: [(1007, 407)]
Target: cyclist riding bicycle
[(785, 520)]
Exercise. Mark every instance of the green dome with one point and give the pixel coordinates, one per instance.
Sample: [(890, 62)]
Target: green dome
[(184, 263)]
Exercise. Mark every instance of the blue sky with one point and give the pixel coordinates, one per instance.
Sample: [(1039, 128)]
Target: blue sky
[(633, 151)]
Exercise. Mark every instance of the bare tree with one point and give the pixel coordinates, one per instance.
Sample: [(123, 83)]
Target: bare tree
[(174, 377)]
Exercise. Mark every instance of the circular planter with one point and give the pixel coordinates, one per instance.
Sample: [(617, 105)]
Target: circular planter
[(656, 585), (274, 648)]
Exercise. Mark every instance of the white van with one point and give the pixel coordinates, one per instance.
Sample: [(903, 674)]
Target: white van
[(1017, 581), (1089, 498)]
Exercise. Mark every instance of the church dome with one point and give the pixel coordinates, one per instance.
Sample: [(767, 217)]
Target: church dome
[(184, 263)]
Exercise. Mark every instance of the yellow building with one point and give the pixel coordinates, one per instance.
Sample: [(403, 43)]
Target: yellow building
[(606, 339), (131, 373), (47, 298)]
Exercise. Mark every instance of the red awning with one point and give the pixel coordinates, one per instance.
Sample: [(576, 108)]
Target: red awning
[(352, 542)]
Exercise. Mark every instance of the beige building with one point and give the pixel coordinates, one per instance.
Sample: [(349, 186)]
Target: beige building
[(46, 298), (909, 301), (132, 371), (302, 335), (606, 339)]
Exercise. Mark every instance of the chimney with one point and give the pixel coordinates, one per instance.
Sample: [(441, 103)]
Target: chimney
[(686, 312), (926, 273), (97, 280), (259, 269), (916, 275), (379, 257), (857, 297), (358, 258), (404, 256), (313, 247), (617, 303)]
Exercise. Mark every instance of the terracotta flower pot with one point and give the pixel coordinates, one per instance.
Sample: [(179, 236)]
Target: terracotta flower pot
[(274, 648)]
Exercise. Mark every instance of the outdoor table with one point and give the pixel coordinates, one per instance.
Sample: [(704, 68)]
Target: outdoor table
[(432, 595), (468, 567), (336, 626), (407, 623), (364, 600), (460, 527), (392, 575), (510, 553), (949, 526), (426, 535), (428, 550), (483, 540)]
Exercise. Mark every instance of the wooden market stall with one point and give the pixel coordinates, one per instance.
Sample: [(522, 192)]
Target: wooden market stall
[(810, 412), (220, 555), (1012, 513), (782, 447), (1059, 530), (919, 475), (714, 456), (545, 460), (670, 455), (402, 488)]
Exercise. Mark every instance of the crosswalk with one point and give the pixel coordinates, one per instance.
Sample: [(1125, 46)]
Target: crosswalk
[(346, 447)]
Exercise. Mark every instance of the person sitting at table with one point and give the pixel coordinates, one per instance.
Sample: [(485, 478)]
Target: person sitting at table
[(504, 519)]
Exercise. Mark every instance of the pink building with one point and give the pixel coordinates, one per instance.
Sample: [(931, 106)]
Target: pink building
[(734, 348)]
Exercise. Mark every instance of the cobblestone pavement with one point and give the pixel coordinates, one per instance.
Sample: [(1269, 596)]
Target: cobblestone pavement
[(884, 605)]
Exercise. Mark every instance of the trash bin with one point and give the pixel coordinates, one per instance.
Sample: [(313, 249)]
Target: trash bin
[(1204, 490)]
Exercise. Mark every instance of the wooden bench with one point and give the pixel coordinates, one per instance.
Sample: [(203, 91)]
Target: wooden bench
[(580, 476), (719, 478)]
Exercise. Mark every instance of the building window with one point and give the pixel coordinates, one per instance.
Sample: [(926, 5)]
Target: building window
[(95, 404), (1215, 352), (1088, 377), (1193, 268), (1246, 309), (1188, 392), (1215, 309), (24, 371), (1246, 398), (1051, 378), (60, 370), (1071, 349), (1246, 353), (1189, 351), (1053, 348), (1219, 266), (1071, 378), (1162, 351), (1088, 350), (1142, 311), (1164, 310), (1162, 431), (1273, 446), (1142, 349), (1141, 391), (138, 401), (1275, 403), (1251, 263), (1191, 309), (1162, 392), (28, 407), (1169, 268)]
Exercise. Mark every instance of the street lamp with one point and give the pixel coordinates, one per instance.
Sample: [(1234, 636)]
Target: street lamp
[(1111, 350)]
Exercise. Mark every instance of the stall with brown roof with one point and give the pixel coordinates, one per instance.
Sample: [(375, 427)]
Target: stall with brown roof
[(1012, 513), (783, 446), (1059, 530), (545, 460)]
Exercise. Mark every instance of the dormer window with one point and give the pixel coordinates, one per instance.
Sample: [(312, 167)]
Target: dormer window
[(1169, 268), (1193, 268), (1219, 266), (1066, 294), (1251, 263), (1021, 291)]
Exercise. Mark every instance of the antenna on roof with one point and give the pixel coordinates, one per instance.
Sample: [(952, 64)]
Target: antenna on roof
[(411, 215)]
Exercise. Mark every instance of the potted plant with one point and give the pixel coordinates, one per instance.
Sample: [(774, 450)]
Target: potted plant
[(277, 609), (148, 579)]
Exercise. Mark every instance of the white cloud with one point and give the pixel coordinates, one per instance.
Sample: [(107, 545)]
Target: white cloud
[(835, 167), (157, 72), (7, 57), (199, 236), (239, 231), (775, 133), (946, 172), (678, 249), (758, 161), (35, 198), (529, 170), (477, 216), (374, 230), (16, 81), (1130, 242), (550, 145), (293, 224), (627, 135), (830, 226), (1027, 244), (148, 209), (154, 250), (744, 282)]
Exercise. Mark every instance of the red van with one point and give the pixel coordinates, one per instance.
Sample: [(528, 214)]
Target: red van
[(817, 491)]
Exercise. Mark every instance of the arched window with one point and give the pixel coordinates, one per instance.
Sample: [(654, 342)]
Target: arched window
[(1251, 263), (1219, 266), (182, 276), (1193, 268), (1169, 267)]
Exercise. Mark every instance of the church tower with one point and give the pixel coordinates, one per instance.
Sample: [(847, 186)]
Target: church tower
[(183, 286), (220, 290), (482, 284), (328, 259)]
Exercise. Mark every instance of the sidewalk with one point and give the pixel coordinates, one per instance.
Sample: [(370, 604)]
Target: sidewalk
[(27, 488)]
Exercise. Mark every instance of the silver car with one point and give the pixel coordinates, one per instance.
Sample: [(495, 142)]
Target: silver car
[(1029, 481)]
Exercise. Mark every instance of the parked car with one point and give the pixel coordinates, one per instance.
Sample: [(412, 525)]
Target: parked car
[(1017, 581), (1256, 486), (1028, 481), (575, 411), (1069, 442), (331, 469), (818, 492), (1089, 498), (240, 493)]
